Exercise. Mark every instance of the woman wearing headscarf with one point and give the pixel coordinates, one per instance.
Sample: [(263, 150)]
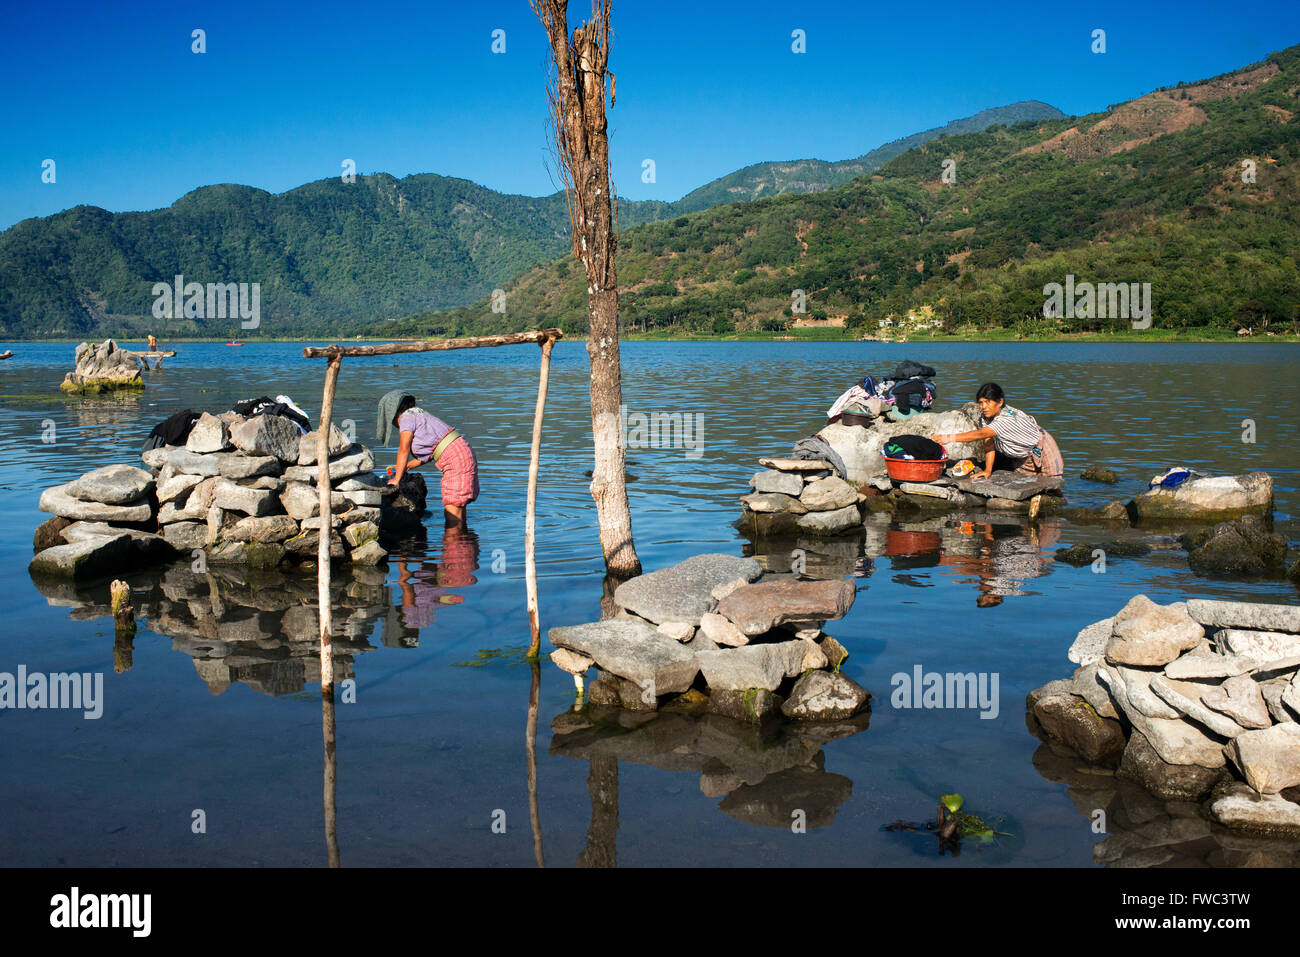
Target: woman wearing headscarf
[(426, 438)]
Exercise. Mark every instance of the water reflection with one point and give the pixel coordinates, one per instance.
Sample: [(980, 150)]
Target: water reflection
[(997, 554), (763, 773), (258, 627), (1145, 831), (427, 586)]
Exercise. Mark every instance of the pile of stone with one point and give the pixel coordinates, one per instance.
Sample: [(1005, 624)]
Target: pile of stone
[(810, 496), (716, 625), (102, 368), (242, 489), (1197, 700)]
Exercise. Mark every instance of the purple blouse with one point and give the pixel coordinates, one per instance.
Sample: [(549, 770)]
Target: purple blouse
[(429, 431)]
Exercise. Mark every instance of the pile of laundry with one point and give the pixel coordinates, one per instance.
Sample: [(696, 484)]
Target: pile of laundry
[(175, 429), (897, 397)]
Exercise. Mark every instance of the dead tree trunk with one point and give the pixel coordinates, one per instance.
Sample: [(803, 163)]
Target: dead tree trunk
[(582, 150)]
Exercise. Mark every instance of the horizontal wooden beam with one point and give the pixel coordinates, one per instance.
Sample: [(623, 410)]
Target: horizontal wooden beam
[(432, 345)]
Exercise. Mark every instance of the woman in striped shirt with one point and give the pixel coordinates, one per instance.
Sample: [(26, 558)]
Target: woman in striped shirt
[(1013, 440)]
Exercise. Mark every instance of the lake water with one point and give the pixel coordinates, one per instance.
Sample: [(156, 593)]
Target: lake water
[(433, 752)]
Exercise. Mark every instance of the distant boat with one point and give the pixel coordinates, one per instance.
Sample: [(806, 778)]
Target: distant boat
[(7, 354), (234, 343)]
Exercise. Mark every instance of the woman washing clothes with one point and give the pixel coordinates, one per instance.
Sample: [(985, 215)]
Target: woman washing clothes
[(426, 438), (1013, 440)]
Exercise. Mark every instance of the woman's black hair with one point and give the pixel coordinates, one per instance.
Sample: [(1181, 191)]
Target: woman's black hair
[(407, 402), (990, 390)]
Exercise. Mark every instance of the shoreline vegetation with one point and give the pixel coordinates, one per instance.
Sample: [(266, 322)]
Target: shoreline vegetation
[(1201, 335)]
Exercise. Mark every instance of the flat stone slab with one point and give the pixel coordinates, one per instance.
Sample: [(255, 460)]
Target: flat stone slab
[(773, 502), (786, 483), (356, 460), (797, 465), (1015, 486), (1203, 664), (683, 592), (1239, 806), (90, 557), (760, 608), (928, 491), (633, 650), (112, 485), (1259, 644), (58, 501), (1244, 614), (751, 666)]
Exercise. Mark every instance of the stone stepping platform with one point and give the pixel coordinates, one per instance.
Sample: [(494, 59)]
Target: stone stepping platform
[(1016, 486)]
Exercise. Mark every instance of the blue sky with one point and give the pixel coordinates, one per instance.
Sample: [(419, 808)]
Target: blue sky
[(286, 91)]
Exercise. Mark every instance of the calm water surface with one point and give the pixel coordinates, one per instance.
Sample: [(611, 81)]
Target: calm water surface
[(214, 707)]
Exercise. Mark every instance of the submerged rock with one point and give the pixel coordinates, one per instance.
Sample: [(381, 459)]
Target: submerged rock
[(1244, 548), (1096, 473), (752, 704)]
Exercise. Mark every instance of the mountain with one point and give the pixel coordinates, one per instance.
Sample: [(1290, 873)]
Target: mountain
[(1194, 189), (811, 176), (329, 257)]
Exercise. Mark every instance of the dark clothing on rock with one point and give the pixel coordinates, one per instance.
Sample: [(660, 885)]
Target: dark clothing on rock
[(268, 406), (173, 430), (913, 447), (907, 369)]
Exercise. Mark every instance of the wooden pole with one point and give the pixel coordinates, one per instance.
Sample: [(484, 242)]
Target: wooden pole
[(326, 527), (331, 780), (436, 345), (530, 751), (530, 522)]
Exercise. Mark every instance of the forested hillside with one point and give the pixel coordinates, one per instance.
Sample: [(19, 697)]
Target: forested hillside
[(1158, 190)]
